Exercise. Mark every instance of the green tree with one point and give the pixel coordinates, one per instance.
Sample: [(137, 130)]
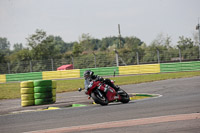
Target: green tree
[(87, 43), (22, 55), (108, 42), (19, 61), (188, 49), (77, 49), (4, 49), (185, 43), (43, 46), (2, 58), (163, 45), (51, 47), (17, 47), (61, 45), (4, 44), (37, 38), (132, 43), (35, 42)]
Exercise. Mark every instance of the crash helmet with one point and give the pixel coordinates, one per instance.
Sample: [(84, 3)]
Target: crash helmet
[(88, 74)]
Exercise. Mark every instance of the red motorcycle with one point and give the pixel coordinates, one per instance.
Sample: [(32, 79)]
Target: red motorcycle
[(104, 94)]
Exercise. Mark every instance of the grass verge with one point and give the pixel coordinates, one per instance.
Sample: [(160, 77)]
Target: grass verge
[(12, 90)]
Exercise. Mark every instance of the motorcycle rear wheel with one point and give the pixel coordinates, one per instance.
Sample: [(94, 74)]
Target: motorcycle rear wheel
[(98, 99), (124, 97)]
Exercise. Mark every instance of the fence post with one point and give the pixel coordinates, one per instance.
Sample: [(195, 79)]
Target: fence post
[(179, 53), (95, 63), (137, 58), (117, 57), (52, 64), (198, 28), (8, 67), (158, 55), (72, 61), (30, 66), (199, 42)]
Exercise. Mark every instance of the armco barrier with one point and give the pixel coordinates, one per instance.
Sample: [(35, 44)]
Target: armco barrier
[(170, 67), (190, 66), (150, 68), (181, 66), (24, 76), (2, 78), (61, 74), (102, 71), (139, 69)]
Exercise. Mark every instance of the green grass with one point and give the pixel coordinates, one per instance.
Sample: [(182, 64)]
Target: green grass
[(12, 90), (9, 90)]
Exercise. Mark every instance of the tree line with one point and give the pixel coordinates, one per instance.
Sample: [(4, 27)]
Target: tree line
[(41, 46)]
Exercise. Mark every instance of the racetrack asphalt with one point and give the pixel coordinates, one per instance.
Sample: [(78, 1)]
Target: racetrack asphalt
[(179, 97)]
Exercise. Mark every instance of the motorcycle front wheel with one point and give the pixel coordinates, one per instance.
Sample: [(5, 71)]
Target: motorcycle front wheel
[(124, 96), (99, 99)]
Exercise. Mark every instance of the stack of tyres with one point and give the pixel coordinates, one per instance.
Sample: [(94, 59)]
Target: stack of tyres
[(27, 93), (54, 86), (43, 92)]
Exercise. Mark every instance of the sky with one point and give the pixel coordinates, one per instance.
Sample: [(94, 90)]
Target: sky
[(69, 19)]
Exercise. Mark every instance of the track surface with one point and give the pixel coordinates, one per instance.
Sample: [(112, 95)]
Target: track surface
[(179, 96)]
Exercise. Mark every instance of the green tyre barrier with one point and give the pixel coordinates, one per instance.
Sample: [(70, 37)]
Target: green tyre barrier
[(27, 90), (39, 83), (26, 84), (27, 103), (43, 101), (43, 95), (25, 97), (42, 89)]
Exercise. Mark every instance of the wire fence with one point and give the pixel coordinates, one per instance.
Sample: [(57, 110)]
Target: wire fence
[(99, 60)]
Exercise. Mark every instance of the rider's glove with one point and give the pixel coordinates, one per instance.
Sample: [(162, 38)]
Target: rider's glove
[(86, 92), (101, 79)]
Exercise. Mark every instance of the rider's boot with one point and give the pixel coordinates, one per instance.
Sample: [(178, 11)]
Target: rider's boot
[(118, 90)]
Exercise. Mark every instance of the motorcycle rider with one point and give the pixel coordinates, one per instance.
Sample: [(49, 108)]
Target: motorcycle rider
[(89, 76)]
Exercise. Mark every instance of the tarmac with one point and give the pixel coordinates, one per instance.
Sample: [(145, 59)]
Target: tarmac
[(10, 106), (63, 100)]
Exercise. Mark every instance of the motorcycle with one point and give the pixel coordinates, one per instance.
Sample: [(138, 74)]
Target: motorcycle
[(103, 94)]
